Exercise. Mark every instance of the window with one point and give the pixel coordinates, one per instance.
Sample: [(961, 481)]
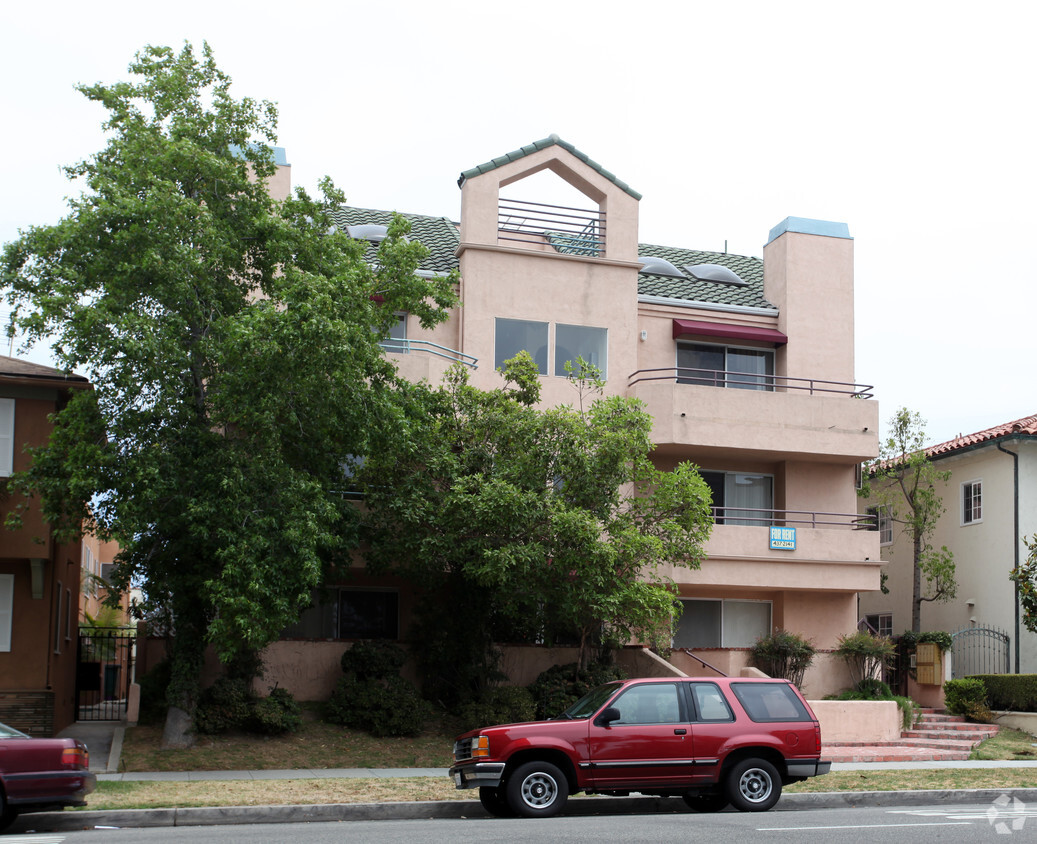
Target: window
[(6, 610), (652, 703), (57, 622), (6, 437), (738, 497), (579, 341), (971, 502), (711, 623), (397, 340), (765, 702), (710, 703), (516, 335), (725, 366), (883, 524), (368, 614), (880, 623)]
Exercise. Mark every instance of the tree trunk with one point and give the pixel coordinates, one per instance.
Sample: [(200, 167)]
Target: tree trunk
[(186, 659), (916, 595)]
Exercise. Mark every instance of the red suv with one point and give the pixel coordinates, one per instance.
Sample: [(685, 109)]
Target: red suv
[(712, 741)]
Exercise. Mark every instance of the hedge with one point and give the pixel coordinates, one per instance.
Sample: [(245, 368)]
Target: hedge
[(1013, 692)]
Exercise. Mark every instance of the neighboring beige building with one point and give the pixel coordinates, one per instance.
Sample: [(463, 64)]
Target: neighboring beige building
[(746, 365), (991, 505)]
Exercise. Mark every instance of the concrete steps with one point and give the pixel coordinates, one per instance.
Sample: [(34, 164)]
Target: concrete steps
[(936, 737)]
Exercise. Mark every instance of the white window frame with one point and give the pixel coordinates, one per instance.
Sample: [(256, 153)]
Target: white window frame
[(973, 489), (883, 523), (883, 622), (6, 611), (6, 438)]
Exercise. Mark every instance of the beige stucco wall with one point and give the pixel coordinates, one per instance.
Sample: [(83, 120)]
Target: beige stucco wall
[(857, 720)]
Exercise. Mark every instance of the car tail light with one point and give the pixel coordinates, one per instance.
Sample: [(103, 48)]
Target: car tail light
[(817, 735), (75, 757)]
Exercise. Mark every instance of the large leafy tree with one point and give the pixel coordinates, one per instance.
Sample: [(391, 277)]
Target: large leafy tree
[(546, 523), (232, 342), (1025, 578), (904, 483)]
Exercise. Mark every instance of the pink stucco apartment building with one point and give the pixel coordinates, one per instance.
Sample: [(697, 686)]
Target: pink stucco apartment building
[(746, 365)]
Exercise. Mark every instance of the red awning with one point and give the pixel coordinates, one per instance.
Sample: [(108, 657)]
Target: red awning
[(684, 327)]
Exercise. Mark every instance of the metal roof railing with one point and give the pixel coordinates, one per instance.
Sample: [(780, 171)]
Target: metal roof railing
[(571, 231), (405, 347)]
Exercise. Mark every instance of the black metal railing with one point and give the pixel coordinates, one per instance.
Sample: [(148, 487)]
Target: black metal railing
[(104, 672), (571, 231), (755, 517), (750, 381)]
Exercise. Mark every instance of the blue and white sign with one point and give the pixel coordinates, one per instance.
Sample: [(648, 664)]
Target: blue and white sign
[(783, 539)]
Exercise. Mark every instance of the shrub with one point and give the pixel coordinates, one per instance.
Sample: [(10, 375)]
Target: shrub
[(276, 714), (967, 697), (499, 705), (865, 654), (872, 689), (560, 686), (384, 707), (936, 637), (877, 690), (230, 704), (783, 654), (373, 660), (225, 705), (1013, 692)]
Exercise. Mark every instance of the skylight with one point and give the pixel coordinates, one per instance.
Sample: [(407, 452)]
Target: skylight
[(659, 266), (715, 273)]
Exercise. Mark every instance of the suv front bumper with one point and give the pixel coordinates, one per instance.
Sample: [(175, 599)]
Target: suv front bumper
[(477, 775)]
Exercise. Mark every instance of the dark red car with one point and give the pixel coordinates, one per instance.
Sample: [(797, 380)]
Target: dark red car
[(38, 774), (712, 741)]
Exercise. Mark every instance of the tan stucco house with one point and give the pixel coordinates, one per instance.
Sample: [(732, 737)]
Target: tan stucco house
[(746, 365), (991, 505)]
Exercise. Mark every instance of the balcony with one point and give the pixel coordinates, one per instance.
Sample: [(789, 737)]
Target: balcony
[(759, 416), (570, 231)]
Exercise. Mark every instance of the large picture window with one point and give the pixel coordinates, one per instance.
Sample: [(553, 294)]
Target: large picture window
[(397, 340), (369, 614), (516, 335), (580, 341), (740, 498), (709, 365), (731, 623)]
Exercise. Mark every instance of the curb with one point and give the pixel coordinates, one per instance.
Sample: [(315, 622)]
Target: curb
[(460, 809)]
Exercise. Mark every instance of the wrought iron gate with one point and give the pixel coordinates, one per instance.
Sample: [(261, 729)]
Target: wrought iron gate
[(980, 650), (104, 671)]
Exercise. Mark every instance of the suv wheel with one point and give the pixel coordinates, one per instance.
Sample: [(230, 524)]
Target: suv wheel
[(494, 802), (753, 785), (537, 790)]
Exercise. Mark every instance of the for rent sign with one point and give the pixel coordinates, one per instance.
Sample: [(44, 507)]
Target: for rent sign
[(783, 538)]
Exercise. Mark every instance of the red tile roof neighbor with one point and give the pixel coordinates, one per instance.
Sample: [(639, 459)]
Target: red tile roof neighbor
[(1027, 426)]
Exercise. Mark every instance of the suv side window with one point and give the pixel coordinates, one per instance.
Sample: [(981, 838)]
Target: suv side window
[(710, 702), (765, 702), (652, 703)]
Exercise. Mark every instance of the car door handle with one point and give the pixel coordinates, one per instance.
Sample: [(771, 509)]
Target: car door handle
[(680, 732)]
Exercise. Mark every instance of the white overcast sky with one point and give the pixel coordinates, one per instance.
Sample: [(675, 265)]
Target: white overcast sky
[(912, 122)]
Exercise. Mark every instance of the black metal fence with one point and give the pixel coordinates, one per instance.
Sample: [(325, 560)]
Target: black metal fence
[(104, 672)]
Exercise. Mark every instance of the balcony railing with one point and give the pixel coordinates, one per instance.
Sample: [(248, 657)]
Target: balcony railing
[(750, 381), (571, 231), (789, 518), (405, 347)]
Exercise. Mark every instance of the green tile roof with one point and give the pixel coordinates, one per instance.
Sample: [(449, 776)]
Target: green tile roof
[(441, 236), (536, 146), (749, 269)]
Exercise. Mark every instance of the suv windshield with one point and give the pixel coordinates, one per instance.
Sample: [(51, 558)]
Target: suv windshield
[(590, 702)]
